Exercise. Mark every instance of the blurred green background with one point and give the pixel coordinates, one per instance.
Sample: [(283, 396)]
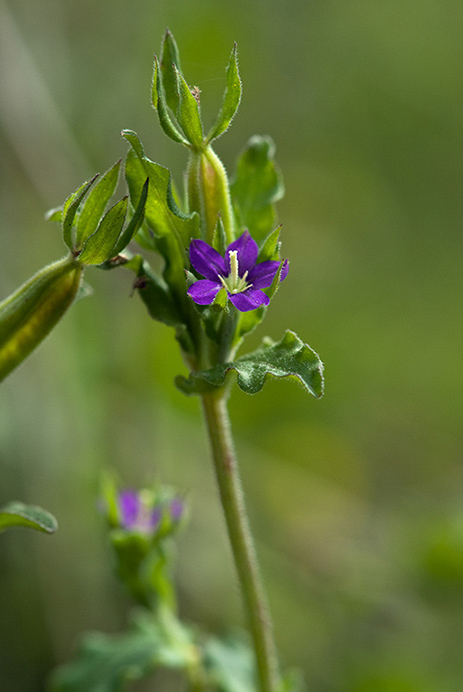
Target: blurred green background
[(357, 499)]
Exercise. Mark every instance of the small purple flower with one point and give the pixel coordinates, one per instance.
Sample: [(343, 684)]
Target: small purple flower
[(238, 272), (136, 514), (176, 509)]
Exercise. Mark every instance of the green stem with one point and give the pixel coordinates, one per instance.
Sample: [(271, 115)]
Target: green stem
[(231, 495)]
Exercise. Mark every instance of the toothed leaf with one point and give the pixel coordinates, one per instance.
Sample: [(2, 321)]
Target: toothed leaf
[(290, 357)]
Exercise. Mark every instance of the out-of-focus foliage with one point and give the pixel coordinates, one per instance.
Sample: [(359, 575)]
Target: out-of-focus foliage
[(356, 500), (19, 514)]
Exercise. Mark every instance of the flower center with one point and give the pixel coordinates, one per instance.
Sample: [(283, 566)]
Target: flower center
[(234, 283)]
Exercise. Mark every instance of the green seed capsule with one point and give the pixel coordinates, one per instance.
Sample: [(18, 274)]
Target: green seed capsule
[(32, 311)]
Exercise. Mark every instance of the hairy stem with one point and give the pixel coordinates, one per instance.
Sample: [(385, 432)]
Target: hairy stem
[(231, 495)]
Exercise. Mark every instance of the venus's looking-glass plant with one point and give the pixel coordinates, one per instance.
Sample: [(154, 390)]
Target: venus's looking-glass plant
[(221, 250)]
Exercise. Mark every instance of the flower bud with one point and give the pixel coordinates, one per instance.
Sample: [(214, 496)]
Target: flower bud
[(209, 194), (29, 314)]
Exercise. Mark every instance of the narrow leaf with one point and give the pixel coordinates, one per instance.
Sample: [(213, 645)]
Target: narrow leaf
[(159, 102), (219, 240), (256, 187), (275, 285), (95, 204), (231, 99), (169, 57), (70, 209), (134, 224), (188, 114), (290, 357), (18, 514), (99, 245), (271, 247)]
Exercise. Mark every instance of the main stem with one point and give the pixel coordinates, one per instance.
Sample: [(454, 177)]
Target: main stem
[(231, 495)]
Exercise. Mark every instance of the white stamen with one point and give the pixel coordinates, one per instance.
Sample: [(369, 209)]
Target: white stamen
[(234, 269), (234, 283)]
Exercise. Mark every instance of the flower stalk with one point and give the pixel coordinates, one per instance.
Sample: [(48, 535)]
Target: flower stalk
[(232, 499)]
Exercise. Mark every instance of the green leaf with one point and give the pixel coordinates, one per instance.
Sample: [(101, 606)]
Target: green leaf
[(154, 293), (219, 240), (256, 187), (169, 57), (221, 300), (172, 229), (158, 100), (188, 115), (161, 211), (134, 224), (271, 246), (98, 247), (290, 357), (231, 99), (105, 663), (95, 204), (54, 214), (275, 285), (70, 208), (230, 665), (18, 514)]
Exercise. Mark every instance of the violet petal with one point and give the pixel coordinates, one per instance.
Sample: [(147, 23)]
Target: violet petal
[(249, 300), (129, 506), (263, 274), (176, 509), (206, 260), (247, 252), (204, 291)]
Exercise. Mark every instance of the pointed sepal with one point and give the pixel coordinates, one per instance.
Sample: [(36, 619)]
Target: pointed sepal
[(99, 246), (231, 99), (169, 57), (188, 114), (95, 204), (158, 99), (70, 209)]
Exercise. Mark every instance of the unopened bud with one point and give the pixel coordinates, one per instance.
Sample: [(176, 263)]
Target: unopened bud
[(29, 314)]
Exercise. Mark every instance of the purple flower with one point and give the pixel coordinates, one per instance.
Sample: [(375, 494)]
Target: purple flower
[(238, 272), (136, 514), (176, 509)]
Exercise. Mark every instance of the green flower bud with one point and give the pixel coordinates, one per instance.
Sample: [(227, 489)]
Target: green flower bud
[(209, 194), (29, 314)]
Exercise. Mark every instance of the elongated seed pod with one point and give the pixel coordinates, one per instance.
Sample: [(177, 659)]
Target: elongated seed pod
[(28, 315)]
